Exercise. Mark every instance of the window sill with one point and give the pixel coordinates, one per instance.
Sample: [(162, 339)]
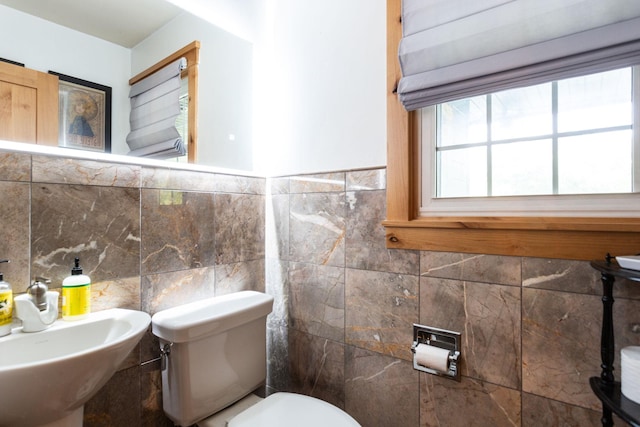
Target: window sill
[(566, 238)]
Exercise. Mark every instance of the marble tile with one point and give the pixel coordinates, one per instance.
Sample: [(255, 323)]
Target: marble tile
[(278, 376), (318, 183), (370, 179), (316, 367), (177, 230), (119, 293), (278, 185), (470, 402), (560, 275), (100, 225), (538, 411), (174, 179), (15, 167), (239, 228), (277, 285), (487, 316), (277, 227), (240, 276), (560, 345), (60, 170), (381, 309), (380, 390), (317, 228), (151, 397), (112, 406), (316, 300), (166, 290), (14, 234), (239, 184), (365, 241), (502, 270)]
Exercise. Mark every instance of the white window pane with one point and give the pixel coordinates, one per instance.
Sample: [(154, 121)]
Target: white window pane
[(519, 113), (595, 163), (463, 121), (462, 172), (522, 168), (596, 101)]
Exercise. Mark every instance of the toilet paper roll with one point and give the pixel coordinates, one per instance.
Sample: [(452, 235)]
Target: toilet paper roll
[(432, 357), (630, 373)]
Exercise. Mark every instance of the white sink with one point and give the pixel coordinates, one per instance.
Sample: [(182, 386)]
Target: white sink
[(46, 377)]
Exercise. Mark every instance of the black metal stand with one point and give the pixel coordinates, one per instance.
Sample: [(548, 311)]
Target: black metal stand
[(606, 388)]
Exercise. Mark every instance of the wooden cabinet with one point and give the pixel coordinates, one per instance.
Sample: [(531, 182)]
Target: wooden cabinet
[(28, 105)]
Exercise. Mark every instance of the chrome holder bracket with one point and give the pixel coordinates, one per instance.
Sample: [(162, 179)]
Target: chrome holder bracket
[(441, 338)]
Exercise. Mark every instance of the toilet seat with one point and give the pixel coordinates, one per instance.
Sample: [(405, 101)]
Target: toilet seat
[(292, 410)]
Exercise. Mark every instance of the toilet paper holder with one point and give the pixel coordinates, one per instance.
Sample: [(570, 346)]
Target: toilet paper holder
[(441, 338)]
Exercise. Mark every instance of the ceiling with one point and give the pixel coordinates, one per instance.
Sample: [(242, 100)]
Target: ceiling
[(104, 19)]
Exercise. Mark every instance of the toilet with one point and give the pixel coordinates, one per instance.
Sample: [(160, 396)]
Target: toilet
[(214, 356)]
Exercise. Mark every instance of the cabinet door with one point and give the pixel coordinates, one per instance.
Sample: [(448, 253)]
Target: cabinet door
[(28, 105)]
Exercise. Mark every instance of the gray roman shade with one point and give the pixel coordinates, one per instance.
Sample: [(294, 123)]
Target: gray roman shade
[(453, 49), (155, 105)]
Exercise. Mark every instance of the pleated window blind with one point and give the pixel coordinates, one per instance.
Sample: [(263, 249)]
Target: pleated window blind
[(453, 49), (155, 106)]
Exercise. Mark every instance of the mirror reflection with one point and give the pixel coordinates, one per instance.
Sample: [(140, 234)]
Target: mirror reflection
[(111, 56)]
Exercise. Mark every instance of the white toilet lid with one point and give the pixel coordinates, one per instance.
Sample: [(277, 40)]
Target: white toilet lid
[(292, 410)]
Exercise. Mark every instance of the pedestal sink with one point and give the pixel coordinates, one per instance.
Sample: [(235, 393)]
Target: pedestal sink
[(46, 377)]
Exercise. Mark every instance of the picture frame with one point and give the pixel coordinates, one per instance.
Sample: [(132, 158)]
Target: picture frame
[(84, 114)]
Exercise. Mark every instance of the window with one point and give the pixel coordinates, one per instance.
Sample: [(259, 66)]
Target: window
[(563, 138), (515, 234)]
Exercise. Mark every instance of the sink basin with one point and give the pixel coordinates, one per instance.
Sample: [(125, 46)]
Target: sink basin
[(46, 377)]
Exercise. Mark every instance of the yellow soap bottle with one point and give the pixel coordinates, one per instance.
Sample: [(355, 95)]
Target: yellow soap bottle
[(6, 305), (76, 294)]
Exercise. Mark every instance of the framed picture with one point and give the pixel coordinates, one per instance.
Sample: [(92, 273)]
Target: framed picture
[(84, 114)]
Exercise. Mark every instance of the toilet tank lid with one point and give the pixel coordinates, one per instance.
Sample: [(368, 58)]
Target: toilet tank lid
[(190, 322)]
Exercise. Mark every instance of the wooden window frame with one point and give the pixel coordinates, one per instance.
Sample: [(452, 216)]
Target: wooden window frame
[(580, 238), (192, 53)]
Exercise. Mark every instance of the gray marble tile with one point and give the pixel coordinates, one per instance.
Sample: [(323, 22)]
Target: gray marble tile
[(538, 411), (177, 230), (502, 270), (470, 402), (381, 309), (277, 227), (166, 290), (317, 228), (277, 285), (316, 300), (119, 293), (278, 377), (380, 390), (487, 316), (278, 185), (100, 225), (316, 367), (175, 179), (14, 234), (365, 240), (560, 345), (239, 228), (318, 183), (60, 170), (239, 184), (151, 396), (560, 275), (240, 276), (112, 406), (371, 179), (15, 167)]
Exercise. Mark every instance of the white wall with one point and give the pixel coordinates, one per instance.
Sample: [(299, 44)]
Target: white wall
[(44, 46), (324, 90)]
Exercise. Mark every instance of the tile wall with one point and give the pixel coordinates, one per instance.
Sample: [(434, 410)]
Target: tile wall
[(530, 327), (152, 238)]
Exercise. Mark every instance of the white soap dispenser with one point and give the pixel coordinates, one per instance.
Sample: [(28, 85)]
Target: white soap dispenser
[(6, 305), (76, 294)]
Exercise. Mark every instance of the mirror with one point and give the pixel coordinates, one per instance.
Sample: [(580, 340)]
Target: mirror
[(225, 72)]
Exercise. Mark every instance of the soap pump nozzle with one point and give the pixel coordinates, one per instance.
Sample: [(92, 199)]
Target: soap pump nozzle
[(38, 292)]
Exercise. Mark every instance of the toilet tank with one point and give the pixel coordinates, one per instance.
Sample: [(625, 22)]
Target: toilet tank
[(217, 353)]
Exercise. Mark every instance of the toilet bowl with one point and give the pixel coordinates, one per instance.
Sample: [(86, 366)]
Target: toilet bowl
[(214, 357)]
